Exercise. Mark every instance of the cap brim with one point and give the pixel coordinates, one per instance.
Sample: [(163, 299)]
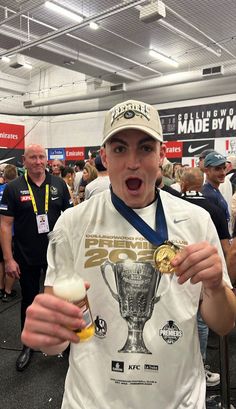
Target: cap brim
[(154, 134)]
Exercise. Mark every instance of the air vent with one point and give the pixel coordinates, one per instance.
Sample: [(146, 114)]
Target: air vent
[(213, 71), (28, 104), (118, 87), (152, 12), (17, 61)]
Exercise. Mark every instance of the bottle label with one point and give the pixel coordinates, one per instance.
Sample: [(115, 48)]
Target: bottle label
[(84, 306)]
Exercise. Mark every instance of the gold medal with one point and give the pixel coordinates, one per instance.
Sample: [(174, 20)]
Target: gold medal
[(163, 256)]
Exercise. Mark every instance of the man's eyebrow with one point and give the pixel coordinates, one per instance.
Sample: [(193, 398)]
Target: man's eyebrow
[(116, 139)]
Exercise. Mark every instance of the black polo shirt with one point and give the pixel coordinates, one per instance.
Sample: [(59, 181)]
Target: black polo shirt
[(30, 247), (216, 213)]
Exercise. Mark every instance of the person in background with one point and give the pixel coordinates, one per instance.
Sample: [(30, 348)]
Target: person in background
[(215, 170), (102, 182), (31, 204), (166, 188), (231, 171), (89, 173), (191, 186), (6, 282), (79, 166), (56, 167), (178, 175), (225, 187), (176, 166), (145, 352), (233, 215), (167, 171), (68, 175)]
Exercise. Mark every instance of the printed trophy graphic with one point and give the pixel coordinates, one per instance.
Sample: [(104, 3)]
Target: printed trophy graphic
[(136, 284)]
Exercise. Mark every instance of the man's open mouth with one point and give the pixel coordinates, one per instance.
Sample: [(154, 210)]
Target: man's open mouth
[(133, 183)]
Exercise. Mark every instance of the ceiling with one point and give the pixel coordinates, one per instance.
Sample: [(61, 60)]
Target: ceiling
[(194, 33)]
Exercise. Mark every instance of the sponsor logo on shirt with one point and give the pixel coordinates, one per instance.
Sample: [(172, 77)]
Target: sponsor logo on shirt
[(117, 366), (3, 207), (100, 327), (24, 192), (151, 368), (170, 332), (25, 198), (132, 367), (54, 190)]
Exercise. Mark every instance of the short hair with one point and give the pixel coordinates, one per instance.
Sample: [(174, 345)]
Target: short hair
[(190, 175), (80, 164), (67, 170), (10, 172)]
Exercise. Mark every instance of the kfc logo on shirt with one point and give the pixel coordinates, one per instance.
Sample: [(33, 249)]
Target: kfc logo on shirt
[(25, 198)]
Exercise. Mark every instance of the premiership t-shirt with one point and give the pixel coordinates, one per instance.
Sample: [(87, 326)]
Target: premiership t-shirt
[(145, 351)]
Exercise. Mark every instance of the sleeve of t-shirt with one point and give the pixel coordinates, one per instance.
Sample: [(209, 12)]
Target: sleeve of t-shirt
[(221, 224), (8, 204), (213, 239)]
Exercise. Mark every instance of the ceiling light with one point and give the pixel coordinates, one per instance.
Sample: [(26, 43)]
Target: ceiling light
[(163, 57), (5, 59), (64, 12), (28, 66), (93, 25)]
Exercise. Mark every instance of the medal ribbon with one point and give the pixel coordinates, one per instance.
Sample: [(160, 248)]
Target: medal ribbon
[(155, 237), (33, 198)]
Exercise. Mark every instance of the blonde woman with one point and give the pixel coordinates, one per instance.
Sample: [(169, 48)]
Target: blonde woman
[(89, 173)]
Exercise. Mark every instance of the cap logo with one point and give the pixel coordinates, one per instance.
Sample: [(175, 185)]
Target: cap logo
[(129, 114), (128, 111)]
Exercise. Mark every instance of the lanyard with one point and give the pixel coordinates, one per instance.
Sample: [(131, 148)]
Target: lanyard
[(155, 237), (33, 198)]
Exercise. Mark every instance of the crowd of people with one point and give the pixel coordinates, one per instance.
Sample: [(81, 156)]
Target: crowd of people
[(122, 217)]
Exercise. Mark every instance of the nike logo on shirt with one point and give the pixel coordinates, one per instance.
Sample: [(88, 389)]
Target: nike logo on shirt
[(54, 198), (180, 220)]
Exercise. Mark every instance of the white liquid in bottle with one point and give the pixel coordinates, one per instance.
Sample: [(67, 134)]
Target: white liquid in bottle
[(73, 289)]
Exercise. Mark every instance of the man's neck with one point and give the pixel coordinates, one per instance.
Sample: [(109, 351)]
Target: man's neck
[(214, 184), (37, 178)]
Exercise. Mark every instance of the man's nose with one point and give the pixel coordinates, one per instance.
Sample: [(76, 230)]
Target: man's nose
[(133, 160)]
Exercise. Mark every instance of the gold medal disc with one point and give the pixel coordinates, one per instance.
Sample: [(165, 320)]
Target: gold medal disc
[(163, 256)]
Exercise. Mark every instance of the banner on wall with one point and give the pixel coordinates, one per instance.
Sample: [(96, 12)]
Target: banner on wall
[(11, 156), (74, 154), (199, 122), (193, 148), (57, 153), (174, 149), (12, 136)]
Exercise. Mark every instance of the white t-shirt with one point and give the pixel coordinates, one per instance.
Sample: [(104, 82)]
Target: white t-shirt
[(157, 364), (97, 185)]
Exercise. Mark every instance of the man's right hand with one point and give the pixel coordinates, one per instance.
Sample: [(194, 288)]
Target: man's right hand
[(50, 322), (12, 268)]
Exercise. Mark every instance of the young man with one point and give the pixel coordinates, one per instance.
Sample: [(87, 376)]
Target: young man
[(145, 351), (32, 204), (215, 169)]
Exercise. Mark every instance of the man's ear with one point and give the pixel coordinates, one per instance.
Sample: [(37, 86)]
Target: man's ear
[(162, 153), (103, 156)]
